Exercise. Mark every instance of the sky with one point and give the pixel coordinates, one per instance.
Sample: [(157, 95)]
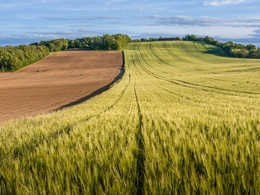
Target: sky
[(25, 22)]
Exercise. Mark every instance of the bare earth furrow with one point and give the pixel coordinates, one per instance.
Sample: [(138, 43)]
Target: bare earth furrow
[(62, 78)]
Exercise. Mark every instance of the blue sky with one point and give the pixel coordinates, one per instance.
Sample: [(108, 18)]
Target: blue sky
[(24, 22)]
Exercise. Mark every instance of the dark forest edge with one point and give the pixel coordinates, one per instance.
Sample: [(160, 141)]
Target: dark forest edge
[(17, 57)]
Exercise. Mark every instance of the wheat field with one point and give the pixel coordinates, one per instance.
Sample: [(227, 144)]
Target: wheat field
[(184, 119)]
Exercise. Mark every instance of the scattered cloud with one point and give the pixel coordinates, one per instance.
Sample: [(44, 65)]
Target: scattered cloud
[(244, 40), (138, 9), (223, 2), (115, 1), (38, 19), (84, 19), (203, 21), (7, 6), (257, 33), (19, 39)]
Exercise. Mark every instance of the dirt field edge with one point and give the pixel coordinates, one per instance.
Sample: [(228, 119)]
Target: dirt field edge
[(98, 91)]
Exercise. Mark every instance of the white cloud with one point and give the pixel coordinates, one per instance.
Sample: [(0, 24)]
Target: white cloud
[(223, 2), (115, 1), (203, 21), (138, 9), (212, 31)]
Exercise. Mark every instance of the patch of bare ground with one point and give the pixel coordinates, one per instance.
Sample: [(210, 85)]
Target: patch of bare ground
[(62, 79)]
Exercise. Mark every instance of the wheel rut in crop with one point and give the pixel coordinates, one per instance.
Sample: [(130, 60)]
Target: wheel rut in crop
[(140, 165)]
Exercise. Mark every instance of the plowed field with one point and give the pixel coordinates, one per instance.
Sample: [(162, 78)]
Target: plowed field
[(61, 79)]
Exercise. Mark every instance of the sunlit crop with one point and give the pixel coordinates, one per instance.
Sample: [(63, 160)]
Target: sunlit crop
[(182, 120)]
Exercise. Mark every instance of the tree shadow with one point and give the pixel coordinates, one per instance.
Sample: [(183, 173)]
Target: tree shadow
[(216, 51)]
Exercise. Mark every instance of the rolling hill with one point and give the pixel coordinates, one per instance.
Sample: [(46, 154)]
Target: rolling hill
[(184, 119)]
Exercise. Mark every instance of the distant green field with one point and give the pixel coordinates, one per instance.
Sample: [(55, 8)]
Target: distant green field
[(184, 119)]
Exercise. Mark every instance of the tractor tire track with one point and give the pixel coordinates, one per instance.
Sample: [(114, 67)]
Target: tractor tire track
[(140, 154)]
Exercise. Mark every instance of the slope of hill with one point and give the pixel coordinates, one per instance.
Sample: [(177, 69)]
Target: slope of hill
[(181, 121), (63, 78)]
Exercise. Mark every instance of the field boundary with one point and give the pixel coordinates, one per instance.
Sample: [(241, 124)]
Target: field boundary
[(65, 79), (98, 91)]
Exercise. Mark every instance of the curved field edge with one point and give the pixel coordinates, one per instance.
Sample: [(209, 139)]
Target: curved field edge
[(63, 79), (165, 128), (98, 91)]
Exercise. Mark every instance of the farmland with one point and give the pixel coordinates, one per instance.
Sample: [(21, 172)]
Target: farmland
[(184, 119), (62, 78)]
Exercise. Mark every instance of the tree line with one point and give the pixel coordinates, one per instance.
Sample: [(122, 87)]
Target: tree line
[(229, 48), (13, 58), (16, 57)]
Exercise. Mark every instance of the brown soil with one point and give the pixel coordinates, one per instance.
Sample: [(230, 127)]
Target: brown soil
[(62, 79)]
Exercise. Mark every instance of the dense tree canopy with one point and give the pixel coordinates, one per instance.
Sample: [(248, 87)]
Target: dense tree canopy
[(14, 58), (229, 48)]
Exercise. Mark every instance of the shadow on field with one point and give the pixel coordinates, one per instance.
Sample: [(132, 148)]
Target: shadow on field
[(216, 51)]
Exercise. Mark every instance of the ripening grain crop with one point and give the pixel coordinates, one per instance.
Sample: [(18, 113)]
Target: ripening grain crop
[(184, 119), (200, 119)]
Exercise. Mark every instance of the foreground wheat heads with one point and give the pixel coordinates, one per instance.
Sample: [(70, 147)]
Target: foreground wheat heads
[(183, 120)]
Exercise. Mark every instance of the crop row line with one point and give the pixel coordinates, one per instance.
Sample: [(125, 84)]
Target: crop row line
[(141, 150), (193, 85)]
